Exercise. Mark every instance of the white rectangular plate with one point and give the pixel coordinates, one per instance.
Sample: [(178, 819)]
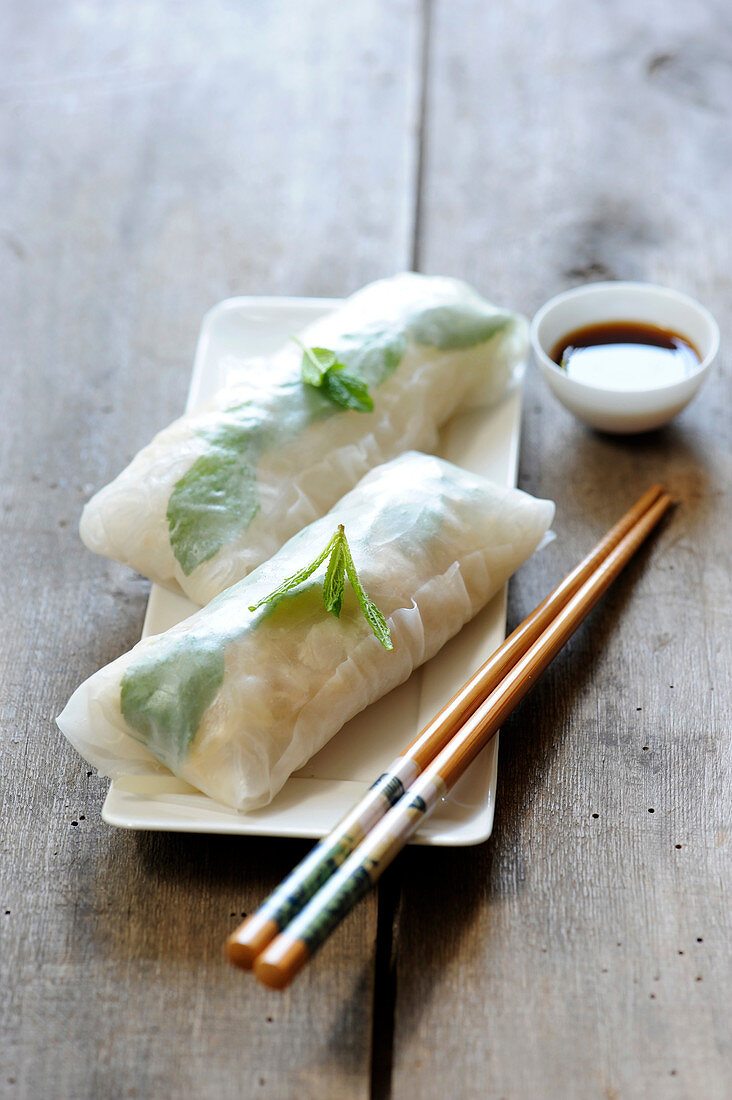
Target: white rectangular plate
[(314, 798)]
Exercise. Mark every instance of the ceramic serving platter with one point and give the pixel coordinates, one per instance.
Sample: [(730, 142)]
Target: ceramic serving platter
[(313, 799)]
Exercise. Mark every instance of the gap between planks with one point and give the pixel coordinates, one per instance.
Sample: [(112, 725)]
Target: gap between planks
[(389, 889)]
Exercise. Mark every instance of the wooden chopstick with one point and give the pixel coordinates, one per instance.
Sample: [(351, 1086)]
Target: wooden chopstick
[(253, 935), (287, 953)]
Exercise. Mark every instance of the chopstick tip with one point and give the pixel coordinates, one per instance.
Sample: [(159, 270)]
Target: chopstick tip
[(278, 965), (249, 940), (240, 954)]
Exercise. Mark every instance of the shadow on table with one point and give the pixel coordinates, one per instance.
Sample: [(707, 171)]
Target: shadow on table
[(618, 468), (451, 898), (178, 895)]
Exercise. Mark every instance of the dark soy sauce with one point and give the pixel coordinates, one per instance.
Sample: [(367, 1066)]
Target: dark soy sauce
[(626, 355)]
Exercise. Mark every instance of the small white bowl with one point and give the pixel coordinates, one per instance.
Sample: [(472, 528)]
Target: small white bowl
[(623, 411)]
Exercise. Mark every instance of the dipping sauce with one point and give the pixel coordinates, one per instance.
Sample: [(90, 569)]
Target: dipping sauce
[(626, 355)]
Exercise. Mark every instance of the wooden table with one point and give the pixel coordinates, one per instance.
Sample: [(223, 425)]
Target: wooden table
[(160, 157)]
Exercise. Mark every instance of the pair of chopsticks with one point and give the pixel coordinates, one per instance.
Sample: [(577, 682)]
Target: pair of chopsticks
[(301, 913)]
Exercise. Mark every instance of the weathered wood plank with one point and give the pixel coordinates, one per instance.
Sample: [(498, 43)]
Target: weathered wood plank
[(155, 160), (583, 952)]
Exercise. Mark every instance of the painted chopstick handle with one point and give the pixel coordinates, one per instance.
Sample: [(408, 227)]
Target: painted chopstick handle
[(278, 964), (289, 898)]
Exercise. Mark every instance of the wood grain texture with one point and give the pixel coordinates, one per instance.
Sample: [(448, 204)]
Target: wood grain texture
[(155, 159), (584, 950)]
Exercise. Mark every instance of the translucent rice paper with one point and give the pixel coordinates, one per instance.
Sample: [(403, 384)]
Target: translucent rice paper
[(222, 488), (234, 701)]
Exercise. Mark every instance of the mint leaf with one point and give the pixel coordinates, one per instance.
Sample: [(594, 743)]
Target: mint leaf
[(215, 499), (345, 390), (335, 579), (299, 577), (371, 613), (339, 567), (453, 327), (165, 692), (316, 362), (374, 353), (322, 369), (376, 620)]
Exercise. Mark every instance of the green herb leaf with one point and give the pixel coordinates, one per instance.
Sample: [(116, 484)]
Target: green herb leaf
[(316, 362), (297, 578), (339, 567), (343, 389), (335, 579), (165, 694), (322, 369), (373, 353), (371, 613), (458, 326), (215, 499)]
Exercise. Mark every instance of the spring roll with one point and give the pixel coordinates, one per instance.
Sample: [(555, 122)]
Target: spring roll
[(222, 488), (234, 700)]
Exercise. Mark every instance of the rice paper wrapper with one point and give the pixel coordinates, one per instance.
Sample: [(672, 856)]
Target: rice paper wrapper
[(234, 701), (221, 489)]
